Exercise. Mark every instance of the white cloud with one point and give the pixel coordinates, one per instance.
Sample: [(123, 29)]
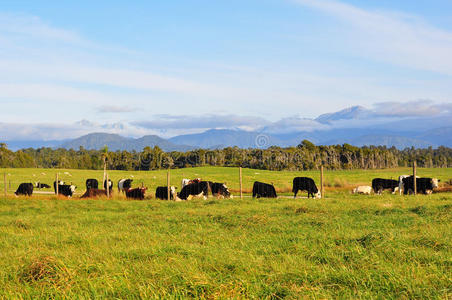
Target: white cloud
[(386, 36), (34, 27), (203, 122), (422, 115), (115, 109), (412, 108)]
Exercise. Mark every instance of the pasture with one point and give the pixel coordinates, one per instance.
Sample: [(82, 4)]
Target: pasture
[(346, 246), (334, 180)]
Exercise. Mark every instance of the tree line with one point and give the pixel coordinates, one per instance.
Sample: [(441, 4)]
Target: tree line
[(305, 156)]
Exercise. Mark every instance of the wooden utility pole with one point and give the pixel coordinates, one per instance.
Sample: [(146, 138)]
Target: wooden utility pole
[(241, 183), (4, 181), (322, 190), (414, 178), (56, 184), (108, 186), (168, 184)]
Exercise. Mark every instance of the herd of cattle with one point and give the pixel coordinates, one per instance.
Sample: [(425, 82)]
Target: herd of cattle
[(405, 184), (199, 188)]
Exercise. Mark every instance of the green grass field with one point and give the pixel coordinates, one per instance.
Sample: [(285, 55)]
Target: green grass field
[(346, 246)]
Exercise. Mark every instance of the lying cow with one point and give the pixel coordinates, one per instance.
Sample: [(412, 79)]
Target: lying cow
[(24, 189), (64, 189), (94, 193), (92, 184), (380, 184), (220, 190), (305, 184), (263, 190), (190, 181), (40, 185), (197, 189), (362, 189), (124, 184), (137, 194), (162, 193), (423, 185)]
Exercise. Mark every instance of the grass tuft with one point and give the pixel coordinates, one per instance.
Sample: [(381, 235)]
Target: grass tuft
[(419, 210), (21, 224), (301, 210), (46, 269)]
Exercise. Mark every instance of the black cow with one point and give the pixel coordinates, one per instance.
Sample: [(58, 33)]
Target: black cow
[(137, 193), (423, 185), (305, 184), (196, 189), (40, 185), (64, 189), (162, 193), (263, 190), (380, 184), (92, 184), (110, 185), (124, 184), (24, 189), (220, 190)]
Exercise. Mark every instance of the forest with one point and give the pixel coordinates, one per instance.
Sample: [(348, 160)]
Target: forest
[(305, 156)]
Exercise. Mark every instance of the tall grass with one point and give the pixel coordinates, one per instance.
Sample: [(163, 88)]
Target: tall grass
[(345, 246)]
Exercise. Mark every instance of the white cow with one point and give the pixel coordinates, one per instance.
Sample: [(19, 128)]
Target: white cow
[(362, 189)]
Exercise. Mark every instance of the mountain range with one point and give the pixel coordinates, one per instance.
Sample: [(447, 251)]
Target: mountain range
[(355, 125)]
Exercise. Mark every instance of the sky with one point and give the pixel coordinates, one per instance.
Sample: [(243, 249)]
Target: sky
[(172, 67)]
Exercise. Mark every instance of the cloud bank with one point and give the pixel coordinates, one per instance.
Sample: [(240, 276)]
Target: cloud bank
[(422, 114)]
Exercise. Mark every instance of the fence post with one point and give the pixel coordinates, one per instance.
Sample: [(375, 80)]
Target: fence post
[(322, 190), (241, 183), (108, 186), (56, 184), (414, 178), (4, 181), (168, 184)]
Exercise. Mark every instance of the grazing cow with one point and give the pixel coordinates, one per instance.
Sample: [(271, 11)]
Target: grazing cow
[(220, 190), (162, 193), (124, 184), (137, 193), (64, 189), (423, 185), (380, 184), (401, 187), (362, 189), (40, 185), (305, 184), (94, 193), (190, 181), (92, 184), (263, 190), (197, 189), (24, 189), (110, 185)]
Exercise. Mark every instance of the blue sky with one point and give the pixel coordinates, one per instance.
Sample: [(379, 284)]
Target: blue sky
[(110, 65)]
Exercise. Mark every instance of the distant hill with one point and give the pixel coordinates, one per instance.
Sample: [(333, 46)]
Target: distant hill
[(214, 138), (16, 145), (365, 127), (354, 112), (116, 142), (439, 136)]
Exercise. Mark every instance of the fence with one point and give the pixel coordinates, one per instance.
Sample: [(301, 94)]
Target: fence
[(10, 183)]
